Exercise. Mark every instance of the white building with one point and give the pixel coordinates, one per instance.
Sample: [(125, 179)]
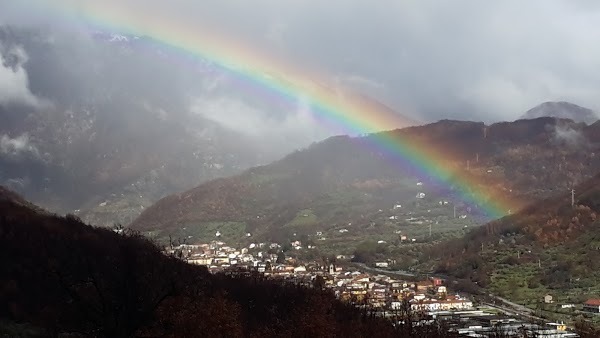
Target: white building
[(437, 305)]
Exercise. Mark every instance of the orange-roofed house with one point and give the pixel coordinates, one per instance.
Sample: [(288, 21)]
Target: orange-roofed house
[(424, 285), (592, 305)]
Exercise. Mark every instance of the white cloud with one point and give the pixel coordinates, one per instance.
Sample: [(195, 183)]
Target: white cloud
[(14, 82), (296, 126), (565, 134)]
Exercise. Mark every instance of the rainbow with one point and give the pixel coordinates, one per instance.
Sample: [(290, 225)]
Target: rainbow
[(351, 115)]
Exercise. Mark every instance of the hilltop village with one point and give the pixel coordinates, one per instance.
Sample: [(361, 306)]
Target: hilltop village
[(376, 291)]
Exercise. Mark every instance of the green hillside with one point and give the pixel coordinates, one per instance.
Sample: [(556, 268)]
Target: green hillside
[(550, 248)]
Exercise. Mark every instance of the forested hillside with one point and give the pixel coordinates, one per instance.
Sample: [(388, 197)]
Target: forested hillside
[(347, 183), (549, 247)]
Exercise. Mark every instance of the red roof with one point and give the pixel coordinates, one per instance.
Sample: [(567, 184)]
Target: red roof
[(593, 302)]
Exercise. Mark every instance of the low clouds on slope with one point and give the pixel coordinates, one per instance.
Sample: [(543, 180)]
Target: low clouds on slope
[(296, 127), (14, 82)]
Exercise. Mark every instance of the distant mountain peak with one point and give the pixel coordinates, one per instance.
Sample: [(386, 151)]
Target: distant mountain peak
[(562, 109)]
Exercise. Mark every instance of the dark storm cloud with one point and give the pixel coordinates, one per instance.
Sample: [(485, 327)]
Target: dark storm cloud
[(464, 59)]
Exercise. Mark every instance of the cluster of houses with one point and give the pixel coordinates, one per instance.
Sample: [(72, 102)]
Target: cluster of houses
[(217, 256), (389, 294), (378, 292)]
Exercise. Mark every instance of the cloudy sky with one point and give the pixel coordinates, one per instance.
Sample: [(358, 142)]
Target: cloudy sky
[(463, 59)]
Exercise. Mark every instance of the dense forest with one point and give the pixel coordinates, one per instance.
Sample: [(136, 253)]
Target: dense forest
[(60, 277)]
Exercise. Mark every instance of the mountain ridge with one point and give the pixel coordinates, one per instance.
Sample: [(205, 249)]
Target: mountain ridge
[(344, 180)]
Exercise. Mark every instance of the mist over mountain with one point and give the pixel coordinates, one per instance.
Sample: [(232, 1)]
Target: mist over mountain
[(564, 110), (107, 123)]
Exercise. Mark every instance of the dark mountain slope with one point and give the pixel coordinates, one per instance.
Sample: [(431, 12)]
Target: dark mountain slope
[(8, 195), (60, 277), (351, 183)]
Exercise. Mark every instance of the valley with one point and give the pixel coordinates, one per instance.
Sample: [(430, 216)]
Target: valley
[(172, 290), (394, 217), (299, 169)]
